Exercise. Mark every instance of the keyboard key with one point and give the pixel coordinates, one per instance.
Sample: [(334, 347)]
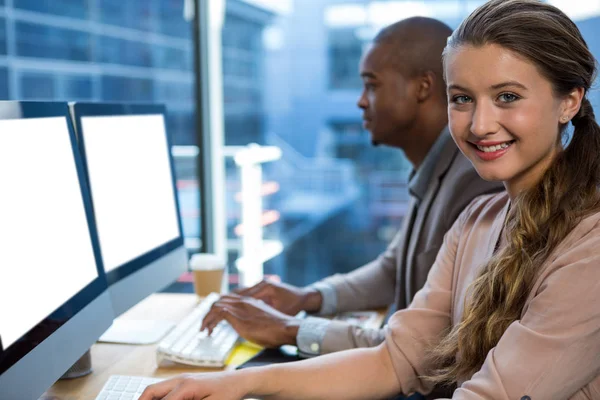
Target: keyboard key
[(125, 387)]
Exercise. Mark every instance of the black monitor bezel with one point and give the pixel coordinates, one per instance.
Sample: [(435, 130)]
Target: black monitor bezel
[(113, 109), (36, 335)]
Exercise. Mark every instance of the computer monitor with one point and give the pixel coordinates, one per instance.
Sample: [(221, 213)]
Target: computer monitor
[(54, 302), (130, 170)]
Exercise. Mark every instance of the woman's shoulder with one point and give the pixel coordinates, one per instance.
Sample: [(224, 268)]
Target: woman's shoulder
[(488, 207), (492, 201), (587, 230), (579, 247)]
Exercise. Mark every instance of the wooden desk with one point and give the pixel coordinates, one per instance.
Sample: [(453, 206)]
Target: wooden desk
[(120, 359), (137, 360)]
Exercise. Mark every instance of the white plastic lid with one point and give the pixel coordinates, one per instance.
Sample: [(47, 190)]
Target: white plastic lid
[(205, 261)]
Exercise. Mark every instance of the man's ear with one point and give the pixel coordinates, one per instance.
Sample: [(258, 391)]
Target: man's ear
[(426, 84)]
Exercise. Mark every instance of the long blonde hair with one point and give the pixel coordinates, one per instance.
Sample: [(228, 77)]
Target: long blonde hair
[(541, 217)]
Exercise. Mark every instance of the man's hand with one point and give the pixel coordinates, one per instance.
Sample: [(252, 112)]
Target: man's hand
[(253, 320), (221, 385), (285, 298)]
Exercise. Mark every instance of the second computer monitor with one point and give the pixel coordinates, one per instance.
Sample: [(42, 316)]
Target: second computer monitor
[(132, 181)]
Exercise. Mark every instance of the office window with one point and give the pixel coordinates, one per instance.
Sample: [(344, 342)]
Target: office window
[(115, 12), (176, 58), (181, 121), (174, 92), (66, 8), (317, 201), (290, 80), (158, 16), (241, 97), (244, 128), (139, 15), (243, 33), (116, 88), (345, 50), (2, 36), (243, 77), (127, 52), (169, 13), (4, 92), (37, 86), (107, 50), (77, 87), (43, 41)]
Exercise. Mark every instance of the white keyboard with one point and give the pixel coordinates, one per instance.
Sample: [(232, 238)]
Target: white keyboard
[(119, 387), (187, 345)]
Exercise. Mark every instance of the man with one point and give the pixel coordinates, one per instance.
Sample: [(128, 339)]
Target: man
[(404, 106)]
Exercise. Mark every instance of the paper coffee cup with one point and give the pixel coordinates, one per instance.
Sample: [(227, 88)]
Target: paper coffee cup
[(208, 271)]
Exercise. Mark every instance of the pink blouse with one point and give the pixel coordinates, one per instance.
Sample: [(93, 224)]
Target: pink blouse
[(552, 352)]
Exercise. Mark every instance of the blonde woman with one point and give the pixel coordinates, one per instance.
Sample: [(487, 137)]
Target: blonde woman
[(511, 308)]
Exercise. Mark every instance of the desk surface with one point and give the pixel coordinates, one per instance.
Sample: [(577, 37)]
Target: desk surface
[(137, 360), (120, 359)]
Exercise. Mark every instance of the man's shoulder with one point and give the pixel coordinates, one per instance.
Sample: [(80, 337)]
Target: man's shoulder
[(461, 165)]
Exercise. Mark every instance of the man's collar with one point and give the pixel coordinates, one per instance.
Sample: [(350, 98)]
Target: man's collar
[(420, 178)]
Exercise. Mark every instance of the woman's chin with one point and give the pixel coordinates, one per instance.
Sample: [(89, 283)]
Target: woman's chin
[(491, 176)]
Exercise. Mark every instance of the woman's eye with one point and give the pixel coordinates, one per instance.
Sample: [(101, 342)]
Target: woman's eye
[(461, 99), (508, 97)]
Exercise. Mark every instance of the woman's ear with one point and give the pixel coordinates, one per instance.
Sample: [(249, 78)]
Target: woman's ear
[(571, 104)]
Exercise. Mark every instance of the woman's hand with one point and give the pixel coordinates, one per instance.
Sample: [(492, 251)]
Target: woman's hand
[(213, 385)]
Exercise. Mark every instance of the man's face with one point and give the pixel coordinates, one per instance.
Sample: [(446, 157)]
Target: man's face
[(387, 100)]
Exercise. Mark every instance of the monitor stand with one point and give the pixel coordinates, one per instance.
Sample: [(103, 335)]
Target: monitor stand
[(128, 331), (82, 367)]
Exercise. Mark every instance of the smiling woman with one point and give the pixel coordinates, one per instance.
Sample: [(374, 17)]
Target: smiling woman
[(508, 116), (504, 115), (514, 289)]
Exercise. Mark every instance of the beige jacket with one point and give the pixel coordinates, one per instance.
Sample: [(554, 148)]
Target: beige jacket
[(396, 275), (551, 353)]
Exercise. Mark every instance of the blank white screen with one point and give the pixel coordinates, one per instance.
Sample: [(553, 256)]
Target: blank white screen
[(132, 190), (46, 254)]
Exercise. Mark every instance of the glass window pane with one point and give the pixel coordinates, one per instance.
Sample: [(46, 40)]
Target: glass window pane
[(345, 50), (65, 8), (169, 14), (116, 88), (37, 86), (4, 93), (108, 50), (2, 36), (43, 41), (115, 12), (77, 88), (168, 57), (127, 52)]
